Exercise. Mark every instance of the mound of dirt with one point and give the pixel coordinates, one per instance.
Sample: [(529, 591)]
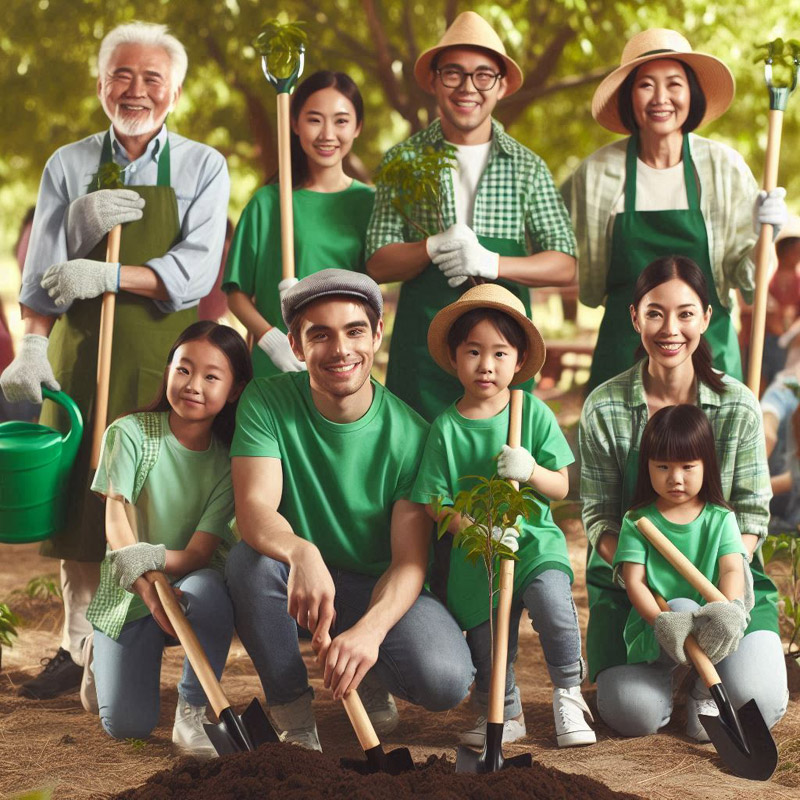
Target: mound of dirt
[(291, 773)]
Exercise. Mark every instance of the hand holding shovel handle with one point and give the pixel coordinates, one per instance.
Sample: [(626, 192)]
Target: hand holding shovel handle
[(778, 97), (104, 351)]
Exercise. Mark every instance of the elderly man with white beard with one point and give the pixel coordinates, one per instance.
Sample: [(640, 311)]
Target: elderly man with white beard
[(173, 210)]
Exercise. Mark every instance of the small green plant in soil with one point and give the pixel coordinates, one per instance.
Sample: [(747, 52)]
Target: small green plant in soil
[(490, 503), (136, 744), (784, 548), (8, 628), (41, 587)]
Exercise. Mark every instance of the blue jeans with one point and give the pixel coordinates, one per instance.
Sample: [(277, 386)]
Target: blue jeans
[(548, 598), (127, 671), (636, 699), (423, 659)]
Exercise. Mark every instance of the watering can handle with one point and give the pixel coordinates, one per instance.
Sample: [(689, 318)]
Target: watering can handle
[(72, 440)]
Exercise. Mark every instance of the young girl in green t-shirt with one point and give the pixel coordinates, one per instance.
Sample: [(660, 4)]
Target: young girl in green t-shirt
[(678, 489), (488, 342), (165, 476), (331, 214)]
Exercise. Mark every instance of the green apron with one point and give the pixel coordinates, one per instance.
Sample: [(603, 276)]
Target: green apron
[(640, 237), (143, 336), (412, 374), (609, 605)]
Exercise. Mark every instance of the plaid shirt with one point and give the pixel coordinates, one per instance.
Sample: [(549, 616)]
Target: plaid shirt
[(613, 420), (516, 200)]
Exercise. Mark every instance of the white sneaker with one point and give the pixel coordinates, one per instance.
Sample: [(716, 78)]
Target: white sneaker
[(379, 704), (569, 709), (513, 729), (296, 722), (88, 689), (694, 707), (188, 732)]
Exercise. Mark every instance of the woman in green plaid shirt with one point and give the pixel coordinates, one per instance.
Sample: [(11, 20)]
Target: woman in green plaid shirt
[(670, 314)]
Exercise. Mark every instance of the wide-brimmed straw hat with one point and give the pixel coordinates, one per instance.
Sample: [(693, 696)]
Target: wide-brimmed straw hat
[(469, 30), (716, 80), (487, 295)]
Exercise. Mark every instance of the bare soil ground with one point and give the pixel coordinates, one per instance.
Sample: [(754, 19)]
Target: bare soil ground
[(56, 744)]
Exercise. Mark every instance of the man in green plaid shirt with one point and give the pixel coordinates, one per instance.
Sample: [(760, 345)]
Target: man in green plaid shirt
[(503, 217)]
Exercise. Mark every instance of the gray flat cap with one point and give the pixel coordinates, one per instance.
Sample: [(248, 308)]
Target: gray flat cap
[(330, 282)]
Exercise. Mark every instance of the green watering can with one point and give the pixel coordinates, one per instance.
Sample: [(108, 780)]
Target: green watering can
[(35, 462)]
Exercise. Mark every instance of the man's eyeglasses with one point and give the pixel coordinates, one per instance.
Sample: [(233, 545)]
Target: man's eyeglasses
[(454, 77)]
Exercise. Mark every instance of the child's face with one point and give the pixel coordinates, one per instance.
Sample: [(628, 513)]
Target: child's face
[(485, 362), (677, 482), (200, 381)]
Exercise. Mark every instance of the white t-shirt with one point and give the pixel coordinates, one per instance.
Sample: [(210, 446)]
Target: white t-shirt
[(472, 161), (657, 189)]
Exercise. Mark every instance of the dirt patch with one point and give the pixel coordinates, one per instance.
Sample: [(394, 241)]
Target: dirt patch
[(286, 772)]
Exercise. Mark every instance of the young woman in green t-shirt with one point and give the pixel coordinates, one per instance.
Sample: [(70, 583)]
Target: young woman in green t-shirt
[(679, 490), (331, 212)]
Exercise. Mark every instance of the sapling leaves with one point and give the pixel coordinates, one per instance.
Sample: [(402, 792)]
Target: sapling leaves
[(784, 57), (109, 176), (282, 45)]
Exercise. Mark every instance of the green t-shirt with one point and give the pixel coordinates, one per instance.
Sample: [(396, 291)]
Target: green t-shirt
[(713, 534), (329, 231), (184, 490), (458, 447), (340, 480)]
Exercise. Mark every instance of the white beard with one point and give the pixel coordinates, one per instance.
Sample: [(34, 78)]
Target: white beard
[(130, 127)]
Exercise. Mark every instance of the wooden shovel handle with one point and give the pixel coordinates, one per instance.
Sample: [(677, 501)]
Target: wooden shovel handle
[(678, 560), (104, 344), (191, 644), (702, 663), (763, 248), (360, 721), (285, 187), (497, 686)]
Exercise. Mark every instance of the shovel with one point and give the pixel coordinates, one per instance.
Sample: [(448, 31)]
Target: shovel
[(394, 762), (741, 737), (491, 758), (233, 733)]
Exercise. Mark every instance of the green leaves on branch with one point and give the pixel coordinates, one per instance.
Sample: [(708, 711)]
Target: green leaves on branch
[(785, 548), (414, 178), (8, 625), (784, 57), (109, 176), (282, 45)]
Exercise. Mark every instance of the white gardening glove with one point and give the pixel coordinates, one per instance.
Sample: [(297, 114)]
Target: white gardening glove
[(453, 233), (275, 343), (285, 285), (506, 536), (131, 562), (465, 257), (515, 464), (671, 629), (92, 216), (22, 379), (770, 209), (80, 279)]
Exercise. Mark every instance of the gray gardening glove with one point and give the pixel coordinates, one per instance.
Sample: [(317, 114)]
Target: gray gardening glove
[(22, 379), (671, 629), (131, 562), (515, 462), (719, 627), (285, 285), (80, 279), (275, 343), (92, 216)]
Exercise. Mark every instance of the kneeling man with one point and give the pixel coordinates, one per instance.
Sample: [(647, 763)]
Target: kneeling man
[(323, 464)]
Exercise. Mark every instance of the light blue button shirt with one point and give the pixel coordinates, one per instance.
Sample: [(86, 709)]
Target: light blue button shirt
[(199, 176)]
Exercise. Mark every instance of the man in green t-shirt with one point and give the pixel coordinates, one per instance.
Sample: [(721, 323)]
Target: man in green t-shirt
[(324, 463)]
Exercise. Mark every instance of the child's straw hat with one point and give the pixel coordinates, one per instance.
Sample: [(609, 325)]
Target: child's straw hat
[(487, 295)]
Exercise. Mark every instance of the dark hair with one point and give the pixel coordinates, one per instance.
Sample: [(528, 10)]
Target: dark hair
[(679, 433), (506, 325), (234, 348), (668, 268), (323, 79), (372, 314), (697, 100)]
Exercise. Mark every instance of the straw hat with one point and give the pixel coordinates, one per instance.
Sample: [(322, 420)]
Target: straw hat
[(469, 30), (487, 295), (714, 77)]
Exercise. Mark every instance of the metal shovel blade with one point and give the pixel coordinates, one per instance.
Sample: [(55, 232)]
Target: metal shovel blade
[(490, 759), (394, 762), (741, 738), (235, 734)]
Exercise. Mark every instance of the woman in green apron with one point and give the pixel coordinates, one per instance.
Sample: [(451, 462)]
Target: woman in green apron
[(664, 192), (671, 312), (331, 212)]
